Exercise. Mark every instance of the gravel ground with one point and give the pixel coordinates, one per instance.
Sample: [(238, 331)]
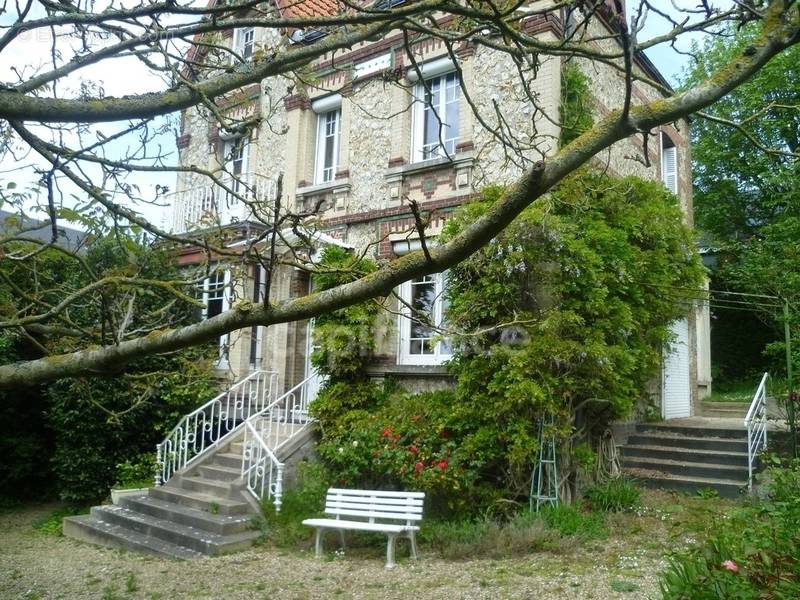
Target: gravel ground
[(37, 565)]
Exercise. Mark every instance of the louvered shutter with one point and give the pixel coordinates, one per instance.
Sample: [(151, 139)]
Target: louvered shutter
[(669, 168)]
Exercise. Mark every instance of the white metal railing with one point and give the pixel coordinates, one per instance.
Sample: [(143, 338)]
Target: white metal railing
[(203, 428), (210, 204), (261, 469), (269, 430), (756, 424)]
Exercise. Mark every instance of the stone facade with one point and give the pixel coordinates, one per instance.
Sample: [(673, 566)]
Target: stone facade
[(365, 204)]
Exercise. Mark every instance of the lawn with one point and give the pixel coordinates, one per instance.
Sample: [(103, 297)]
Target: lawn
[(620, 556)]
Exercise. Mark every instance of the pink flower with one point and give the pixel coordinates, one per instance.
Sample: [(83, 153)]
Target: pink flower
[(413, 450), (443, 464), (419, 466), (730, 565)]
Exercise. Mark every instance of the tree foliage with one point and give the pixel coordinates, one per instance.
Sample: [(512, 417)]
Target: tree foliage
[(208, 75), (563, 313), (747, 192)]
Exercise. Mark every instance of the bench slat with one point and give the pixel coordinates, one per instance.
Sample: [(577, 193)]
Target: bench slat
[(360, 525), (382, 501), (370, 506), (375, 515), (376, 493)]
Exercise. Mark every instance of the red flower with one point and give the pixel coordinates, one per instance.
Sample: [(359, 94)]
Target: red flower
[(413, 450), (418, 466), (387, 431), (443, 464)]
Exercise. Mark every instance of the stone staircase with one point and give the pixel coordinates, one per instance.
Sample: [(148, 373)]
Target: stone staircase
[(205, 510), (688, 458), (724, 410)]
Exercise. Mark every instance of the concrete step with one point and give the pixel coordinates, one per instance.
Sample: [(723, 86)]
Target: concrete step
[(692, 485), (692, 431), (210, 470), (687, 455), (205, 542), (88, 528), (199, 519), (681, 468), (212, 487), (227, 459), (200, 500), (665, 439)]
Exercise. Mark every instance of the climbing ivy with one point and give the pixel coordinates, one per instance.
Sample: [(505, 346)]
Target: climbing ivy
[(575, 109), (562, 315)]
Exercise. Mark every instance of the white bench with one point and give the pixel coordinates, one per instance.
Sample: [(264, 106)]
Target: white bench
[(392, 513)]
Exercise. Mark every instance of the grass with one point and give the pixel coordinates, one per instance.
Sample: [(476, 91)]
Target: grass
[(52, 523), (742, 390)]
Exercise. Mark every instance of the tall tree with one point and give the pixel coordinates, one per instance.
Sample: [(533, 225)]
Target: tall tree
[(46, 108), (746, 152)]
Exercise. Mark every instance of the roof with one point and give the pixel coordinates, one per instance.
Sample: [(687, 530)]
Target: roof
[(298, 9), (68, 238)]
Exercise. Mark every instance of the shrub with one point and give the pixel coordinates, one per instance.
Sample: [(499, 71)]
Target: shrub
[(753, 553), (101, 422), (615, 495), (136, 473)]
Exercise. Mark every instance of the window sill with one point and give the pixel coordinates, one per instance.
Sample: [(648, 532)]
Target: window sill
[(409, 370), (337, 185), (459, 159)]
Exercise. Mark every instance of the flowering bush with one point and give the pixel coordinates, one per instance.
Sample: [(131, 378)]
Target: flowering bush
[(753, 554)]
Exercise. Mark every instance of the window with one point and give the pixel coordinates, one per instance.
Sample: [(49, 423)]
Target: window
[(329, 129), (237, 152), (669, 164), (216, 300), (257, 331), (244, 42), (436, 116), (423, 308)]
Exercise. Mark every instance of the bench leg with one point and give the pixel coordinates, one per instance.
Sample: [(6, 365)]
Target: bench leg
[(390, 550), (318, 543), (412, 539), (341, 538)]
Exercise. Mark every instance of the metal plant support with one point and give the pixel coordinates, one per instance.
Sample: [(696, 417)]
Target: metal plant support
[(544, 479)]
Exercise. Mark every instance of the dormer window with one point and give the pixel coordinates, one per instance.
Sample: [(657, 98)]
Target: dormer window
[(244, 42), (328, 138)]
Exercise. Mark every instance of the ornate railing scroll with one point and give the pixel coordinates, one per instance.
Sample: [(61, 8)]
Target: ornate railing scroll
[(203, 428)]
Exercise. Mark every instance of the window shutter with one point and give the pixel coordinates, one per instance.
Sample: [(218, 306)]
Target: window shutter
[(669, 168)]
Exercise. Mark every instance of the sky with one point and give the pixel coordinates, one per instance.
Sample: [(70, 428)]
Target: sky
[(127, 76)]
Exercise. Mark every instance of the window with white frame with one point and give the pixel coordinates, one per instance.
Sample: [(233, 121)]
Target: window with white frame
[(669, 164), (216, 300), (257, 331), (329, 133), (436, 117), (237, 152), (244, 42), (423, 308)]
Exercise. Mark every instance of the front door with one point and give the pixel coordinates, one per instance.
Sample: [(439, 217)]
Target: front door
[(676, 391)]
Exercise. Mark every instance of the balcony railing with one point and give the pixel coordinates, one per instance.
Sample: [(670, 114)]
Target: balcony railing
[(231, 201)]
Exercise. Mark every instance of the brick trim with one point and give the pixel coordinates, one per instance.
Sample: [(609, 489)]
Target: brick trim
[(296, 101), (184, 140), (396, 211)]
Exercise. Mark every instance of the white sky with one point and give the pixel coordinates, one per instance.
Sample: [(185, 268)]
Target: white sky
[(128, 76)]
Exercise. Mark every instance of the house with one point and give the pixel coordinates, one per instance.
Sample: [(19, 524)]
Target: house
[(360, 142), (340, 153)]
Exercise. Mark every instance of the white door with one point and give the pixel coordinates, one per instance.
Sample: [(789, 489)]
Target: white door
[(676, 392)]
